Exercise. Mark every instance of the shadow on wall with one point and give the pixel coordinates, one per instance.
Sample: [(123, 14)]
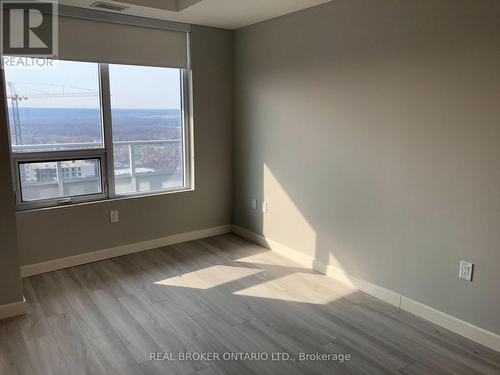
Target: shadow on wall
[(373, 136)]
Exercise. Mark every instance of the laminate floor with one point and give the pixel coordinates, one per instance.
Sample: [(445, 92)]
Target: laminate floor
[(222, 295)]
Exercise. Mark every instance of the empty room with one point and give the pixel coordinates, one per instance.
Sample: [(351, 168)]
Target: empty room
[(219, 187)]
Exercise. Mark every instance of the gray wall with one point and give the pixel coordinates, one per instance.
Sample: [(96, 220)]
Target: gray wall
[(10, 277), (61, 232), (372, 129)]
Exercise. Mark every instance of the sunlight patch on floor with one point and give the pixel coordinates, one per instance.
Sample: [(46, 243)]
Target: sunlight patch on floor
[(209, 277), (293, 288), (268, 258)]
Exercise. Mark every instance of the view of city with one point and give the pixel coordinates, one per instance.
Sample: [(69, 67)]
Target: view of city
[(147, 150), (59, 109)]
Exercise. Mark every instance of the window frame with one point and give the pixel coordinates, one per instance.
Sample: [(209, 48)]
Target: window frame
[(64, 199), (104, 153)]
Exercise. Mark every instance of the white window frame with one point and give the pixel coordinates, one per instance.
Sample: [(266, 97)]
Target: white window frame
[(105, 153)]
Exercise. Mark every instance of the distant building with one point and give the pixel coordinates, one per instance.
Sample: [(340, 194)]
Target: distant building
[(46, 172), (78, 169)]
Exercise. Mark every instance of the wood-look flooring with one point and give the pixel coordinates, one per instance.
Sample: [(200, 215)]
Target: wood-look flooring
[(226, 295)]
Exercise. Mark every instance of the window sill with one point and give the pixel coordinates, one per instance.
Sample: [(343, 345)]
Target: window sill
[(21, 210)]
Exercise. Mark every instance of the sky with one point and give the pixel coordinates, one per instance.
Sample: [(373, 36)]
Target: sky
[(131, 86)]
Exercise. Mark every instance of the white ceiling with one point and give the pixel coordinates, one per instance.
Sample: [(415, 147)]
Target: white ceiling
[(226, 14)]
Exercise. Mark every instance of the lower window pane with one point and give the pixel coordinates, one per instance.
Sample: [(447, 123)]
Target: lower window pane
[(148, 166), (60, 179)]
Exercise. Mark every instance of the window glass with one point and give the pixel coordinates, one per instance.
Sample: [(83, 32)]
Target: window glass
[(57, 126), (54, 107), (147, 128), (59, 179)]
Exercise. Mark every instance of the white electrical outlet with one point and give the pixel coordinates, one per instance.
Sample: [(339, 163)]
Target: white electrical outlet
[(113, 216), (254, 204), (264, 207), (466, 269)]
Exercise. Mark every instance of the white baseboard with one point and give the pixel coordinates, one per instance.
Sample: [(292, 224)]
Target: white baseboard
[(13, 309), (451, 323), (286, 251), (440, 318), (76, 260), (381, 293), (331, 271)]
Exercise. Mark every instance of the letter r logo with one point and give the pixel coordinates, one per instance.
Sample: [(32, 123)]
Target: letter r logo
[(29, 28)]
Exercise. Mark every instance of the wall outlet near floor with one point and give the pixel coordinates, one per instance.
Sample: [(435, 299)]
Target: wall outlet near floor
[(466, 269), (264, 207), (113, 216), (254, 204)]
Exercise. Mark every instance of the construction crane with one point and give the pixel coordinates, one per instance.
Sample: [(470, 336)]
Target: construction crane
[(16, 98)]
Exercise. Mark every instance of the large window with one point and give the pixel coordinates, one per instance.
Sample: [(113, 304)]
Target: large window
[(84, 131), (146, 111)]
